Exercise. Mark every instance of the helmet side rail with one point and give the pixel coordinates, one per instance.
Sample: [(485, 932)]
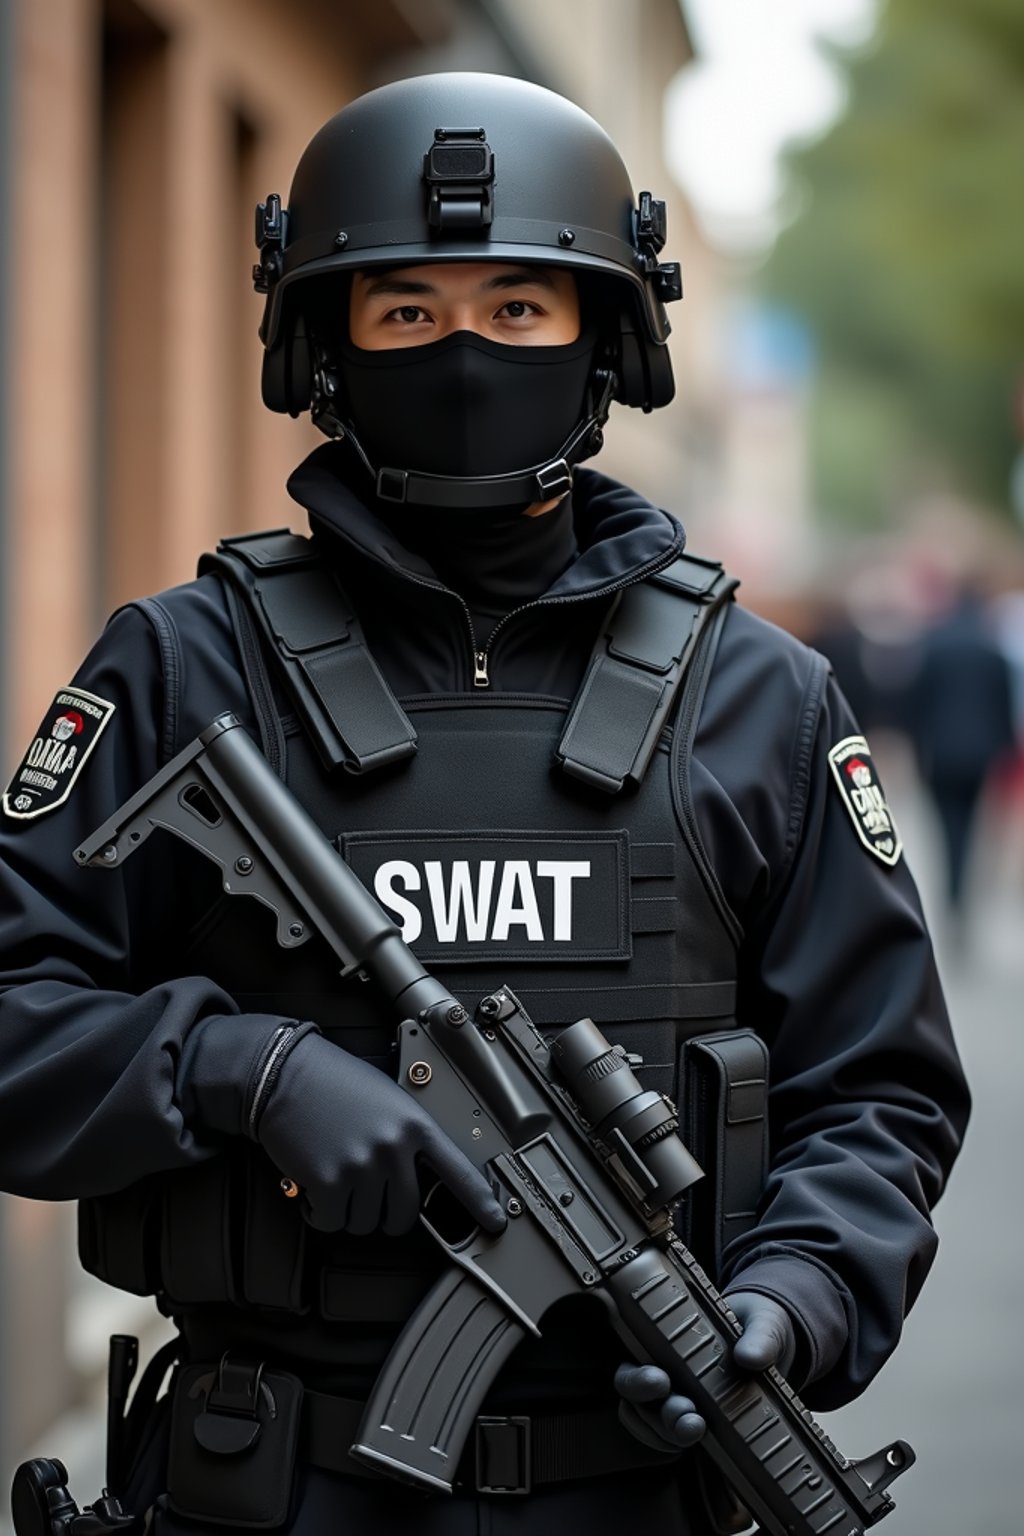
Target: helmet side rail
[(587, 1164)]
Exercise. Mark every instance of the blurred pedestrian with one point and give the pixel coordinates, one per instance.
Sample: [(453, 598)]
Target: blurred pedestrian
[(962, 724), (1007, 615)]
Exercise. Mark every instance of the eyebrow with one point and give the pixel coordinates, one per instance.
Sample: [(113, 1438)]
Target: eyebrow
[(396, 287), (520, 278)]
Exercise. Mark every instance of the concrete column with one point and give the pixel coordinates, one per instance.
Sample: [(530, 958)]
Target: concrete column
[(172, 314), (135, 379), (50, 472), (53, 345), (200, 299)]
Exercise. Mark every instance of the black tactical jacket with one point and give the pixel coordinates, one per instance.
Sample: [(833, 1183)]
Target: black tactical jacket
[(836, 973)]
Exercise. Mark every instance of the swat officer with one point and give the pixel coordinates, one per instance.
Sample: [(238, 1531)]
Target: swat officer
[(564, 759)]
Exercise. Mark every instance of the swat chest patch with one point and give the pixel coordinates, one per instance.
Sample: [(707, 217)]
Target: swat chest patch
[(47, 773), (492, 897), (854, 772)]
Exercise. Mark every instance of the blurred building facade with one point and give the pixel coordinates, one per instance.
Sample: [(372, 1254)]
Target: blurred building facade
[(136, 137), (617, 58)]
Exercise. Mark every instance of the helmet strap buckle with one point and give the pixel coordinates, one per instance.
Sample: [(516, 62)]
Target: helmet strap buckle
[(554, 480), (393, 485)]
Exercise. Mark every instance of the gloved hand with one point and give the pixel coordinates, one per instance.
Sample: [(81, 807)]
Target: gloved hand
[(658, 1417), (348, 1136), (769, 1334), (352, 1139), (668, 1421)]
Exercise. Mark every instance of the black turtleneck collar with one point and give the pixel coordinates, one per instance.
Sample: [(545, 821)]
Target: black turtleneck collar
[(495, 561)]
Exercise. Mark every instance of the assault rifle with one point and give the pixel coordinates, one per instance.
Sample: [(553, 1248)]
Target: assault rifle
[(586, 1162)]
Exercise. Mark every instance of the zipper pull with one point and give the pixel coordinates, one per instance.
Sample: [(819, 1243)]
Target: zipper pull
[(480, 677)]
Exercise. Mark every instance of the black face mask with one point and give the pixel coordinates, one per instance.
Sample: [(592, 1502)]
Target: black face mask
[(464, 405)]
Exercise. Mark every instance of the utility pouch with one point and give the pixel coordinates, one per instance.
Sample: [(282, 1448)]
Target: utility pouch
[(196, 1231), (234, 1438), (274, 1240), (119, 1236), (725, 1083)]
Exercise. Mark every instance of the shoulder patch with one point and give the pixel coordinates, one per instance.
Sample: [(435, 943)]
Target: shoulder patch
[(47, 773), (855, 774)]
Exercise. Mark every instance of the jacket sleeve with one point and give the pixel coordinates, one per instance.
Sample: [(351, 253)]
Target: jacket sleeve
[(868, 1102), (91, 1039)]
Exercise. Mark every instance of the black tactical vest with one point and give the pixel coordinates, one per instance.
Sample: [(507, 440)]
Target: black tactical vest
[(501, 869)]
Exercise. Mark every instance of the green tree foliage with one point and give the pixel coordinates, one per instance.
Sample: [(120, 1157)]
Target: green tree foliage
[(907, 257)]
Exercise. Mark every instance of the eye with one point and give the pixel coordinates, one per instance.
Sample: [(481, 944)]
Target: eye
[(409, 314), (517, 309)]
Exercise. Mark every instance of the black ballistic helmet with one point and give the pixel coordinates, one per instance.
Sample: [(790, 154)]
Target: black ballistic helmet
[(469, 167)]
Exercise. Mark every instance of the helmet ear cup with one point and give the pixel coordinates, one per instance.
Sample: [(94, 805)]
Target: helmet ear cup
[(287, 380), (645, 370), (661, 381), (272, 382), (632, 373)]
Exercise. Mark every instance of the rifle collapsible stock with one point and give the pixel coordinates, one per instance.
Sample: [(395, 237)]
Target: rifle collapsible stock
[(587, 1163)]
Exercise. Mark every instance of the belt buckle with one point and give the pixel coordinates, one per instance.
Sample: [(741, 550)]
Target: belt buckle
[(503, 1455)]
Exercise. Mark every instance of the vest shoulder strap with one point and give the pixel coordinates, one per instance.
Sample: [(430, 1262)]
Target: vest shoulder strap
[(310, 626), (637, 666)]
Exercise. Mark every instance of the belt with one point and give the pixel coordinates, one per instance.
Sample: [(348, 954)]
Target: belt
[(506, 1454)]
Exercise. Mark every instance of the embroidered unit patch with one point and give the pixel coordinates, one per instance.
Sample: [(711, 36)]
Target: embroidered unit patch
[(46, 774), (854, 772)]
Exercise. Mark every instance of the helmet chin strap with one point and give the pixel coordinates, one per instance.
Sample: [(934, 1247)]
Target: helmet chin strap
[(542, 482)]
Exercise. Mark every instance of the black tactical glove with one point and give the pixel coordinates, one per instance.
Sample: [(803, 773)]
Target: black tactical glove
[(769, 1333), (348, 1136), (650, 1410), (351, 1139), (668, 1421)]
